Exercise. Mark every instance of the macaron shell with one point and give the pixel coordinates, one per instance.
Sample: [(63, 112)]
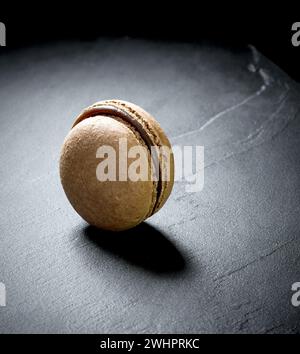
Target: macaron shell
[(111, 205)]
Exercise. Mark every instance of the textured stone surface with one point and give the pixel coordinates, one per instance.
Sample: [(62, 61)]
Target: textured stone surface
[(221, 260)]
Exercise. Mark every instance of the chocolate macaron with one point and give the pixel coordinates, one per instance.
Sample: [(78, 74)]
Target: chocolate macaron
[(100, 135)]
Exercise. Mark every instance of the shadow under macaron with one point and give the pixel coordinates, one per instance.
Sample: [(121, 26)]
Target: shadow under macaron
[(143, 246)]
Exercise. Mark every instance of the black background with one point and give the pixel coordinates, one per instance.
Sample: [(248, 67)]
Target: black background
[(267, 26)]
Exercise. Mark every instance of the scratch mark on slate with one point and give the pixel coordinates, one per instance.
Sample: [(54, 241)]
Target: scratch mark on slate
[(260, 258)]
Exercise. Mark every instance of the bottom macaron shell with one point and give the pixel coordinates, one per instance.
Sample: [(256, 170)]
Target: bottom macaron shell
[(112, 205)]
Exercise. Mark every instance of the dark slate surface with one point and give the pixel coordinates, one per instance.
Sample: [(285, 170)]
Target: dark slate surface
[(221, 260)]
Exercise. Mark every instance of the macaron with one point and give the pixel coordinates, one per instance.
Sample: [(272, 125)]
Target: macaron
[(116, 203)]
